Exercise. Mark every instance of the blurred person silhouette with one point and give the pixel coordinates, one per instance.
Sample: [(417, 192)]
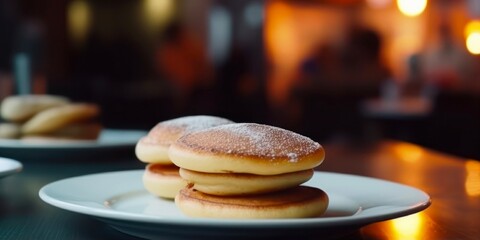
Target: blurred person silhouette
[(183, 63), (361, 55), (335, 79), (321, 71), (414, 82), (447, 65), (354, 67)]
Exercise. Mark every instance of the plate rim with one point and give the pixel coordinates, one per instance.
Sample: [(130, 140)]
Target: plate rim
[(14, 166), (115, 215), (81, 144)]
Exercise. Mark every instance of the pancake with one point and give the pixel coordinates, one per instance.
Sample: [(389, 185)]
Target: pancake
[(21, 107), (10, 130), (56, 118), (153, 148), (226, 184), (163, 180), (76, 131), (297, 202), (246, 148)]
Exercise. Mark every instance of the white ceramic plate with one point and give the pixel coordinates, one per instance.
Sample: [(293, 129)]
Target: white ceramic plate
[(107, 138), (119, 199), (9, 166), (109, 141)]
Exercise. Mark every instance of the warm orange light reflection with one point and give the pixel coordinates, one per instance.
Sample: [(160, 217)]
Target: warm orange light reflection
[(473, 43), (412, 8), (472, 182), (409, 227), (408, 152)]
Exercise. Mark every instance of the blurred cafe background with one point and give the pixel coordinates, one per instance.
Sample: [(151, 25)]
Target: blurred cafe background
[(334, 70)]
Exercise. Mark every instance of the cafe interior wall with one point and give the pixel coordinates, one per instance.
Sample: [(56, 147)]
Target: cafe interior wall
[(291, 31)]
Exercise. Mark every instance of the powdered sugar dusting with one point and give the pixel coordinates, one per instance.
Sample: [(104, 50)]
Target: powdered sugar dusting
[(194, 123), (169, 131), (251, 139), (293, 157)]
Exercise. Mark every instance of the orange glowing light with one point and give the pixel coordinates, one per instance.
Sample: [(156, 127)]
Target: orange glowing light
[(472, 182), (408, 152), (472, 27), (411, 8), (408, 227)]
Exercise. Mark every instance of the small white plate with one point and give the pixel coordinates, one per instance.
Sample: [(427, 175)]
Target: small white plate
[(109, 141), (119, 199), (9, 166)]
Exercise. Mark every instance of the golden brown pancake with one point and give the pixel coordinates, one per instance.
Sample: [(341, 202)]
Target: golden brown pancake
[(19, 108), (163, 180), (297, 202), (226, 184), (55, 118), (76, 131), (10, 130), (153, 148), (246, 148)]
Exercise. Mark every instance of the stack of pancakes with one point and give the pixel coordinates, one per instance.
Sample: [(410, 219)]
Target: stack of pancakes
[(161, 177), (48, 117), (248, 170)]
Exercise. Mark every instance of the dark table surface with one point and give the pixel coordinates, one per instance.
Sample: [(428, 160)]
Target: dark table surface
[(453, 184)]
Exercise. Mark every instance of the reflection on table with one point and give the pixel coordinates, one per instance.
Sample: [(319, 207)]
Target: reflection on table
[(453, 184)]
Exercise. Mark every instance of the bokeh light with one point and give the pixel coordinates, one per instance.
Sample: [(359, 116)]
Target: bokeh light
[(412, 8), (473, 43), (472, 35), (79, 19), (159, 12)]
